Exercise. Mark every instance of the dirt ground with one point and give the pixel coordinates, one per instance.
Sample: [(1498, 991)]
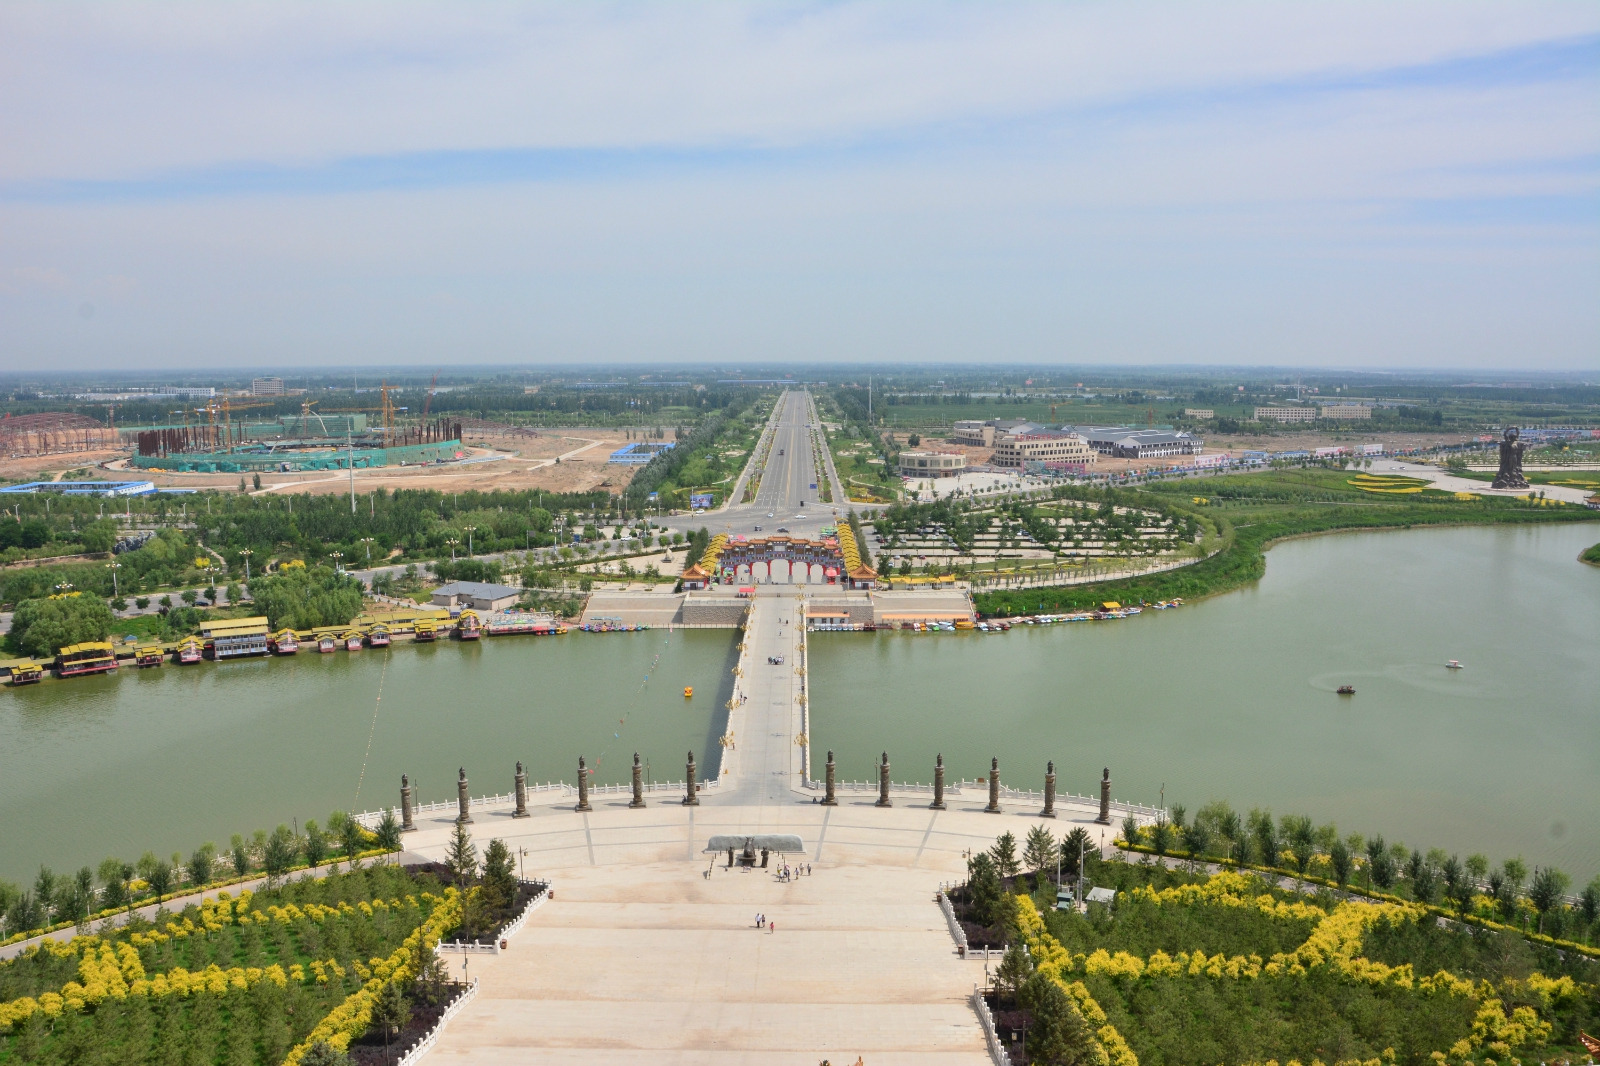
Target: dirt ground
[(528, 463)]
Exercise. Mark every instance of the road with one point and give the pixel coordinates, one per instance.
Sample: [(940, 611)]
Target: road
[(789, 495)]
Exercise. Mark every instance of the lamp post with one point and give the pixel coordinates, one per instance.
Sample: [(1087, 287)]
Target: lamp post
[(337, 565), (63, 588), (368, 542), (469, 530), (452, 542), (245, 553), (114, 567)]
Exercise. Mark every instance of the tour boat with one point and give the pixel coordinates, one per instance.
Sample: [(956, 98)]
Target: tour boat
[(148, 655), (352, 641), (688, 692), (379, 637), (1346, 690), (285, 642), (469, 626), (190, 651), (425, 632), (91, 657), (1454, 664), (326, 644), (26, 673)]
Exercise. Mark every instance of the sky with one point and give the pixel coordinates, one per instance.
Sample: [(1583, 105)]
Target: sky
[(1363, 184)]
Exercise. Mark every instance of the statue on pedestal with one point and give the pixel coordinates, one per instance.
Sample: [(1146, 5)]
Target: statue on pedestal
[(1510, 475)]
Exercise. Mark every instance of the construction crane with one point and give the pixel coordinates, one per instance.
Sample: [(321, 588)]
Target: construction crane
[(385, 409), (432, 385)]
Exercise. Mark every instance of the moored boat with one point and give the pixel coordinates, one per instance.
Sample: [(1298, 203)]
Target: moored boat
[(469, 626), (26, 672), (378, 636), (1454, 664), (91, 657), (285, 642), (1346, 690), (190, 651), (425, 631), (148, 655), (326, 644), (352, 640)]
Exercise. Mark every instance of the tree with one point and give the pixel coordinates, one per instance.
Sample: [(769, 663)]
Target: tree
[(390, 1012), (306, 597), (239, 854), (1039, 849), (1380, 867), (40, 628), (983, 887), (1516, 872), (388, 831), (160, 878), (114, 882), (1074, 844), (353, 837), (1059, 1035), (1339, 859), (1004, 854), (1264, 836), (323, 1053), (201, 863), (279, 854), (1161, 837), (316, 845), (1457, 887), (1130, 829), (1546, 890), (1196, 841), (1015, 968), (462, 858)]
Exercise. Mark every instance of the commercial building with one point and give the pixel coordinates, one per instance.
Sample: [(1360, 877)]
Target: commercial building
[(1042, 446), (983, 434), (1199, 412), (479, 595), (928, 463), (1346, 412), (1122, 442), (1285, 414), (266, 387)]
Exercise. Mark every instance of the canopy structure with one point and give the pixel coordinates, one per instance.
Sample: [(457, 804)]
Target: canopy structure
[(786, 842)]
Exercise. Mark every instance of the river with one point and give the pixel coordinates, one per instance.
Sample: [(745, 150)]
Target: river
[(165, 759), (1233, 698)]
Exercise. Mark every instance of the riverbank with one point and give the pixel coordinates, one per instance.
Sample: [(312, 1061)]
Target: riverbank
[(1254, 512), (1591, 556)]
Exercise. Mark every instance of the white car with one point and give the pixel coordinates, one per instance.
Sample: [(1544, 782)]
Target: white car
[(769, 514), (799, 516)]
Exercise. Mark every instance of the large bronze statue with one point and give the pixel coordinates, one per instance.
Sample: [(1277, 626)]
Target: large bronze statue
[(1510, 475)]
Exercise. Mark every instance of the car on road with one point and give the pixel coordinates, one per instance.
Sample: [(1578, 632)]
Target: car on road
[(769, 514), (782, 530), (799, 517), (755, 529)]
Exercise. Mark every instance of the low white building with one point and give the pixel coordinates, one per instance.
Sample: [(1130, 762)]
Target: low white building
[(1045, 446), (1285, 414), (924, 462)]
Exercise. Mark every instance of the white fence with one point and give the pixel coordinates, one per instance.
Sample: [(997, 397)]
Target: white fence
[(423, 1046), (963, 948), (997, 1051), (470, 947)]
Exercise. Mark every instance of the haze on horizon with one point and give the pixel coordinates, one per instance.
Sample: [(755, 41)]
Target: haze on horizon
[(1333, 185)]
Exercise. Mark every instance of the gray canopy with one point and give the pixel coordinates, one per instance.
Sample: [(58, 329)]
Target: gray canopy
[(786, 842)]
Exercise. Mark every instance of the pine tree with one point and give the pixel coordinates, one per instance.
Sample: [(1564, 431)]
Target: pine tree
[(499, 878), (1004, 854), (1059, 1034), (1039, 850), (462, 858)]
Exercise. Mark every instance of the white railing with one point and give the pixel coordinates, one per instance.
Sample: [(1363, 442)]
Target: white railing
[(958, 934), (997, 1050), (469, 947), (423, 1046)]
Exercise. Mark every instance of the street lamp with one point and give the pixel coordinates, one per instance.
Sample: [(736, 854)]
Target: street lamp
[(452, 542), (368, 542), (63, 588), (246, 553), (336, 556), (469, 530), (114, 567)]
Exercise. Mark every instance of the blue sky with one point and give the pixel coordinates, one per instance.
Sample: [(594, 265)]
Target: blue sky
[(1362, 184)]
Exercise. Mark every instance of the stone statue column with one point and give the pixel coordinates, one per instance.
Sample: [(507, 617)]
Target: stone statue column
[(462, 802), (638, 784), (1049, 791), (938, 783), (827, 798), (407, 821), (522, 792), (1105, 797), (994, 786), (691, 796), (583, 786), (883, 783)]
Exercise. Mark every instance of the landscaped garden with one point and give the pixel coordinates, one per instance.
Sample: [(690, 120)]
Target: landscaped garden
[(1210, 965)]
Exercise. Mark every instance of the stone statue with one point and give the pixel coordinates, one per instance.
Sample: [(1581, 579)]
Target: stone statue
[(1510, 475)]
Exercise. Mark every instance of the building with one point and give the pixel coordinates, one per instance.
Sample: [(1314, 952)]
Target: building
[(1042, 446), (1285, 414), (928, 463), (640, 452), (1199, 412), (266, 387), (479, 595), (983, 434), (1122, 442), (85, 488), (233, 638), (1346, 412)]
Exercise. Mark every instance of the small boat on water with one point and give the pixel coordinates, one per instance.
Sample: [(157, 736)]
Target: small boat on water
[(326, 644), (148, 655), (425, 631), (190, 651), (27, 672), (1346, 690), (469, 626), (285, 642), (379, 637), (352, 640), (1454, 664)]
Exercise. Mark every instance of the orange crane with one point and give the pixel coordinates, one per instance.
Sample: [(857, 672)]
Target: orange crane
[(429, 401)]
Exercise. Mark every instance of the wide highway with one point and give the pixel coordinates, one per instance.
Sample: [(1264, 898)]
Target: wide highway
[(789, 496)]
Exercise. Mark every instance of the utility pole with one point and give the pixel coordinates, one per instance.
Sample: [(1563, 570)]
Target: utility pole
[(350, 454)]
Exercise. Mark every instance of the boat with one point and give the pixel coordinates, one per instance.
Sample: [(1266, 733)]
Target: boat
[(469, 626), (688, 692), (148, 655), (91, 657), (26, 672), (1454, 664), (378, 637), (425, 631), (285, 642), (326, 644), (1346, 690), (352, 640), (190, 651)]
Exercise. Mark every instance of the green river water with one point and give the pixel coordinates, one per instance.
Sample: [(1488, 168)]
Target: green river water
[(1232, 698)]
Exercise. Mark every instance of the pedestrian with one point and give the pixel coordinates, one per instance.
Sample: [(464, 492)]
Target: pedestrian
[(772, 927)]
